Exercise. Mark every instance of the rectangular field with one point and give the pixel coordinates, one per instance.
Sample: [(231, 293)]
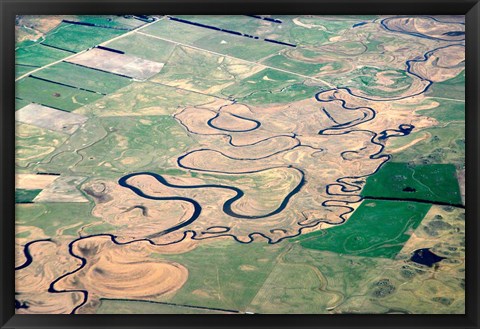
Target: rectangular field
[(83, 77), (53, 95), (433, 182), (36, 54), (376, 229), (114, 62), (215, 41), (32, 181), (74, 37), (46, 117), (144, 46)]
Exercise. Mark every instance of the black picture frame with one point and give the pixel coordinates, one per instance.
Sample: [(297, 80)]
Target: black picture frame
[(10, 8)]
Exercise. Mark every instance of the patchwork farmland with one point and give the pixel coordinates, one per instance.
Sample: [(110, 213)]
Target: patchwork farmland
[(179, 164)]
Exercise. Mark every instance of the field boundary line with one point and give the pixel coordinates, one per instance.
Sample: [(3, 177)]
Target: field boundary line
[(448, 99), (240, 59), (81, 52)]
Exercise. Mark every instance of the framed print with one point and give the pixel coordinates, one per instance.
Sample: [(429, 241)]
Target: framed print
[(238, 164)]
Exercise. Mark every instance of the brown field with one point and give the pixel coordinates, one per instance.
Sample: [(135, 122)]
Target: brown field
[(50, 260), (46, 117), (113, 271), (444, 64), (130, 66), (37, 25), (227, 167), (63, 189), (135, 217), (426, 26), (32, 181)]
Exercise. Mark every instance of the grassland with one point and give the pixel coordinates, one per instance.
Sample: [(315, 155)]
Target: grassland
[(376, 229), (377, 82), (255, 89), (447, 111), (201, 71), (53, 95), (36, 54), (288, 64), (238, 46), (74, 37), (33, 144), (112, 21), (445, 145), (267, 80), (83, 77), (216, 41), (360, 266), (112, 145), (144, 47), (25, 196), (172, 30), (313, 281), (232, 277), (288, 31), (432, 182), (55, 219), (21, 70), (109, 306), (19, 103), (443, 110), (453, 88), (295, 92), (139, 99), (243, 24)]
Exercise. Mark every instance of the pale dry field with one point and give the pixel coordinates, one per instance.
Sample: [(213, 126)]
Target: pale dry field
[(130, 66)]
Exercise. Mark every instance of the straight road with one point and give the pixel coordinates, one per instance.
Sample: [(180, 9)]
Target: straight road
[(101, 44)]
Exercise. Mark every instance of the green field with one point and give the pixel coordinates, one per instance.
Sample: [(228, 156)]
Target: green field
[(270, 86), (83, 77), (202, 70), (287, 31), (111, 146), (32, 144), (444, 145), (288, 64), (32, 53), (21, 70), (113, 21), (265, 80), (144, 47), (292, 93), (432, 182), (177, 31), (453, 88), (155, 99), (447, 111), (311, 281), (377, 228), (216, 41), (19, 103), (367, 81), (443, 110), (25, 196), (254, 224), (54, 95), (243, 24), (238, 46), (224, 274), (109, 306), (74, 38), (55, 219)]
